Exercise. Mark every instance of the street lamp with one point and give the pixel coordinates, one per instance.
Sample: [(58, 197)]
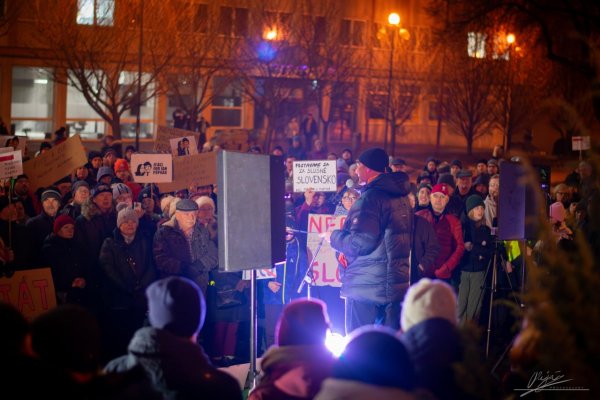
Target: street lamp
[(394, 21), (510, 40)]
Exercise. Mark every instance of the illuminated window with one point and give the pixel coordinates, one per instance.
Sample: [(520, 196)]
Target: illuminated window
[(476, 44), (32, 101), (95, 12), (226, 107)]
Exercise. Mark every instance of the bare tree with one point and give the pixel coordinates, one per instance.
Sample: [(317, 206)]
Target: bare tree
[(99, 56)]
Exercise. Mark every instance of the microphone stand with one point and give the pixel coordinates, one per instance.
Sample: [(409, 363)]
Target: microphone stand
[(308, 275)]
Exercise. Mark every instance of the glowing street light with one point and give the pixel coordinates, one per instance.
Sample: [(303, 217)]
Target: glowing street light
[(510, 38), (394, 19), (270, 34)]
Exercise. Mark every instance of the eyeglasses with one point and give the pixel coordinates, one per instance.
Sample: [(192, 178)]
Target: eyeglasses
[(349, 198)]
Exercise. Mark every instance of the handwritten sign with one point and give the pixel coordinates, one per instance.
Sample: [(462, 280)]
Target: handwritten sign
[(265, 273), (232, 139), (55, 163), (162, 142), (30, 291), (184, 146), (11, 164), (318, 175), (196, 170), (325, 266), (580, 143), (152, 168)]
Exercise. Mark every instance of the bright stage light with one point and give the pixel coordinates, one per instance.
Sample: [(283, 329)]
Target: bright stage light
[(335, 343)]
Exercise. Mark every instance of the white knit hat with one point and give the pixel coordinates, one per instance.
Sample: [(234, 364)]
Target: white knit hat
[(428, 299)]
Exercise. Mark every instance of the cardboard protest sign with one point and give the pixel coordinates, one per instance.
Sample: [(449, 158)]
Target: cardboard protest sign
[(232, 139), (325, 266), (11, 164), (318, 175), (265, 273), (152, 168), (30, 291), (162, 142), (196, 170), (55, 163), (184, 146)]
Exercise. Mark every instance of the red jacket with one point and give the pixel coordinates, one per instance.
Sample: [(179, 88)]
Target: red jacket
[(448, 231)]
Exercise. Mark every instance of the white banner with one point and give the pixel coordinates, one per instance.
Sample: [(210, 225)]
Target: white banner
[(325, 267), (11, 164), (152, 168), (318, 175)]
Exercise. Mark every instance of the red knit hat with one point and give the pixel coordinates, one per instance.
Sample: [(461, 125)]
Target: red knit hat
[(61, 221), (121, 164), (440, 188)]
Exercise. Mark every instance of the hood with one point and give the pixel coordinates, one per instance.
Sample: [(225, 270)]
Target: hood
[(89, 209), (395, 183)]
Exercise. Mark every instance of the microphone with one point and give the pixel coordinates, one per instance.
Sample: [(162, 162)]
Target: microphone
[(349, 183), (295, 230)]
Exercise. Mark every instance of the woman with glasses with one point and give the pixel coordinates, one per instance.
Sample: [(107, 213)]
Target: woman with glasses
[(348, 199)]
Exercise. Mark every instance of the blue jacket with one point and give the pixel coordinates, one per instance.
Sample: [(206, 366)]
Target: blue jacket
[(289, 275)]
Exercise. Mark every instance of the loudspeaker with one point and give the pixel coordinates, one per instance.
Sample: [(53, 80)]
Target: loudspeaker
[(251, 211), (520, 202)]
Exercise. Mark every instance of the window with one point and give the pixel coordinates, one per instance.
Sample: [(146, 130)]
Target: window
[(233, 21), (81, 117), (95, 12), (32, 101), (476, 44), (278, 22), (352, 32), (377, 34), (226, 107), (128, 87)]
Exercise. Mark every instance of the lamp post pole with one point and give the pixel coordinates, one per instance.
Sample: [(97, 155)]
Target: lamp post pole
[(510, 39), (139, 79), (394, 21)]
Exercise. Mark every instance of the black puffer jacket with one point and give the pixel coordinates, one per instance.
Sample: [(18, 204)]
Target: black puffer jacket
[(376, 241)]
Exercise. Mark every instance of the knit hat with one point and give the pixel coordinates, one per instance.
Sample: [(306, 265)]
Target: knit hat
[(119, 189), (482, 179), (101, 188), (492, 161), (121, 164), (51, 194), (78, 184), (448, 179), (374, 158), (474, 201), (456, 163), (186, 205), (424, 185), (557, 212), (440, 188), (61, 221), (303, 322), (428, 299), (177, 305), (375, 356), (103, 171), (125, 214), (94, 154), (397, 161)]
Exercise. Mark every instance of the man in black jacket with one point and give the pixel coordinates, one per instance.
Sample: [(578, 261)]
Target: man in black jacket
[(375, 244)]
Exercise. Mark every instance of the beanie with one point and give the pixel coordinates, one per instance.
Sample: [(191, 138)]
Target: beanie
[(440, 188), (177, 305), (120, 188), (51, 194), (121, 164), (303, 322), (61, 221), (103, 171), (448, 179), (94, 154), (78, 184), (428, 299), (374, 158), (125, 214), (101, 188), (473, 201)]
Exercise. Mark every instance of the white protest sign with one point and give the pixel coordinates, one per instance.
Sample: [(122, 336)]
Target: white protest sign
[(318, 175), (183, 146), (152, 168), (162, 141), (11, 164), (16, 142), (580, 143), (325, 266), (265, 273)]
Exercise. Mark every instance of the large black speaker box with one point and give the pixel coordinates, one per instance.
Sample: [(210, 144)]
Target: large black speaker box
[(251, 211)]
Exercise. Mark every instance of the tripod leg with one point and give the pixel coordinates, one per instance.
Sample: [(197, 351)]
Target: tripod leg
[(492, 290)]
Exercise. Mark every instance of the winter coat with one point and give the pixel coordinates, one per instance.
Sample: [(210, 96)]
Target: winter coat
[(67, 261), (177, 368), (480, 236), (425, 248), (341, 389), (127, 270), (37, 229), (19, 244), (293, 372), (376, 241), (289, 275), (173, 255), (72, 210), (92, 227), (448, 231), (434, 345)]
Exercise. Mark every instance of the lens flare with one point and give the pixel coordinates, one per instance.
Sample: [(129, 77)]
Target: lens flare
[(335, 343)]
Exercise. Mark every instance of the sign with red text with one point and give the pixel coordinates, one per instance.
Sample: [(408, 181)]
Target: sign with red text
[(325, 266), (30, 291), (580, 143), (317, 175), (11, 164)]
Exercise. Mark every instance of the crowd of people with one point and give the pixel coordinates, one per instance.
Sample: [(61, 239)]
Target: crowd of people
[(414, 257)]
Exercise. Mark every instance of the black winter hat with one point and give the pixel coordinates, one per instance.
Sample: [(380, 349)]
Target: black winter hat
[(448, 179), (374, 158), (474, 201)]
